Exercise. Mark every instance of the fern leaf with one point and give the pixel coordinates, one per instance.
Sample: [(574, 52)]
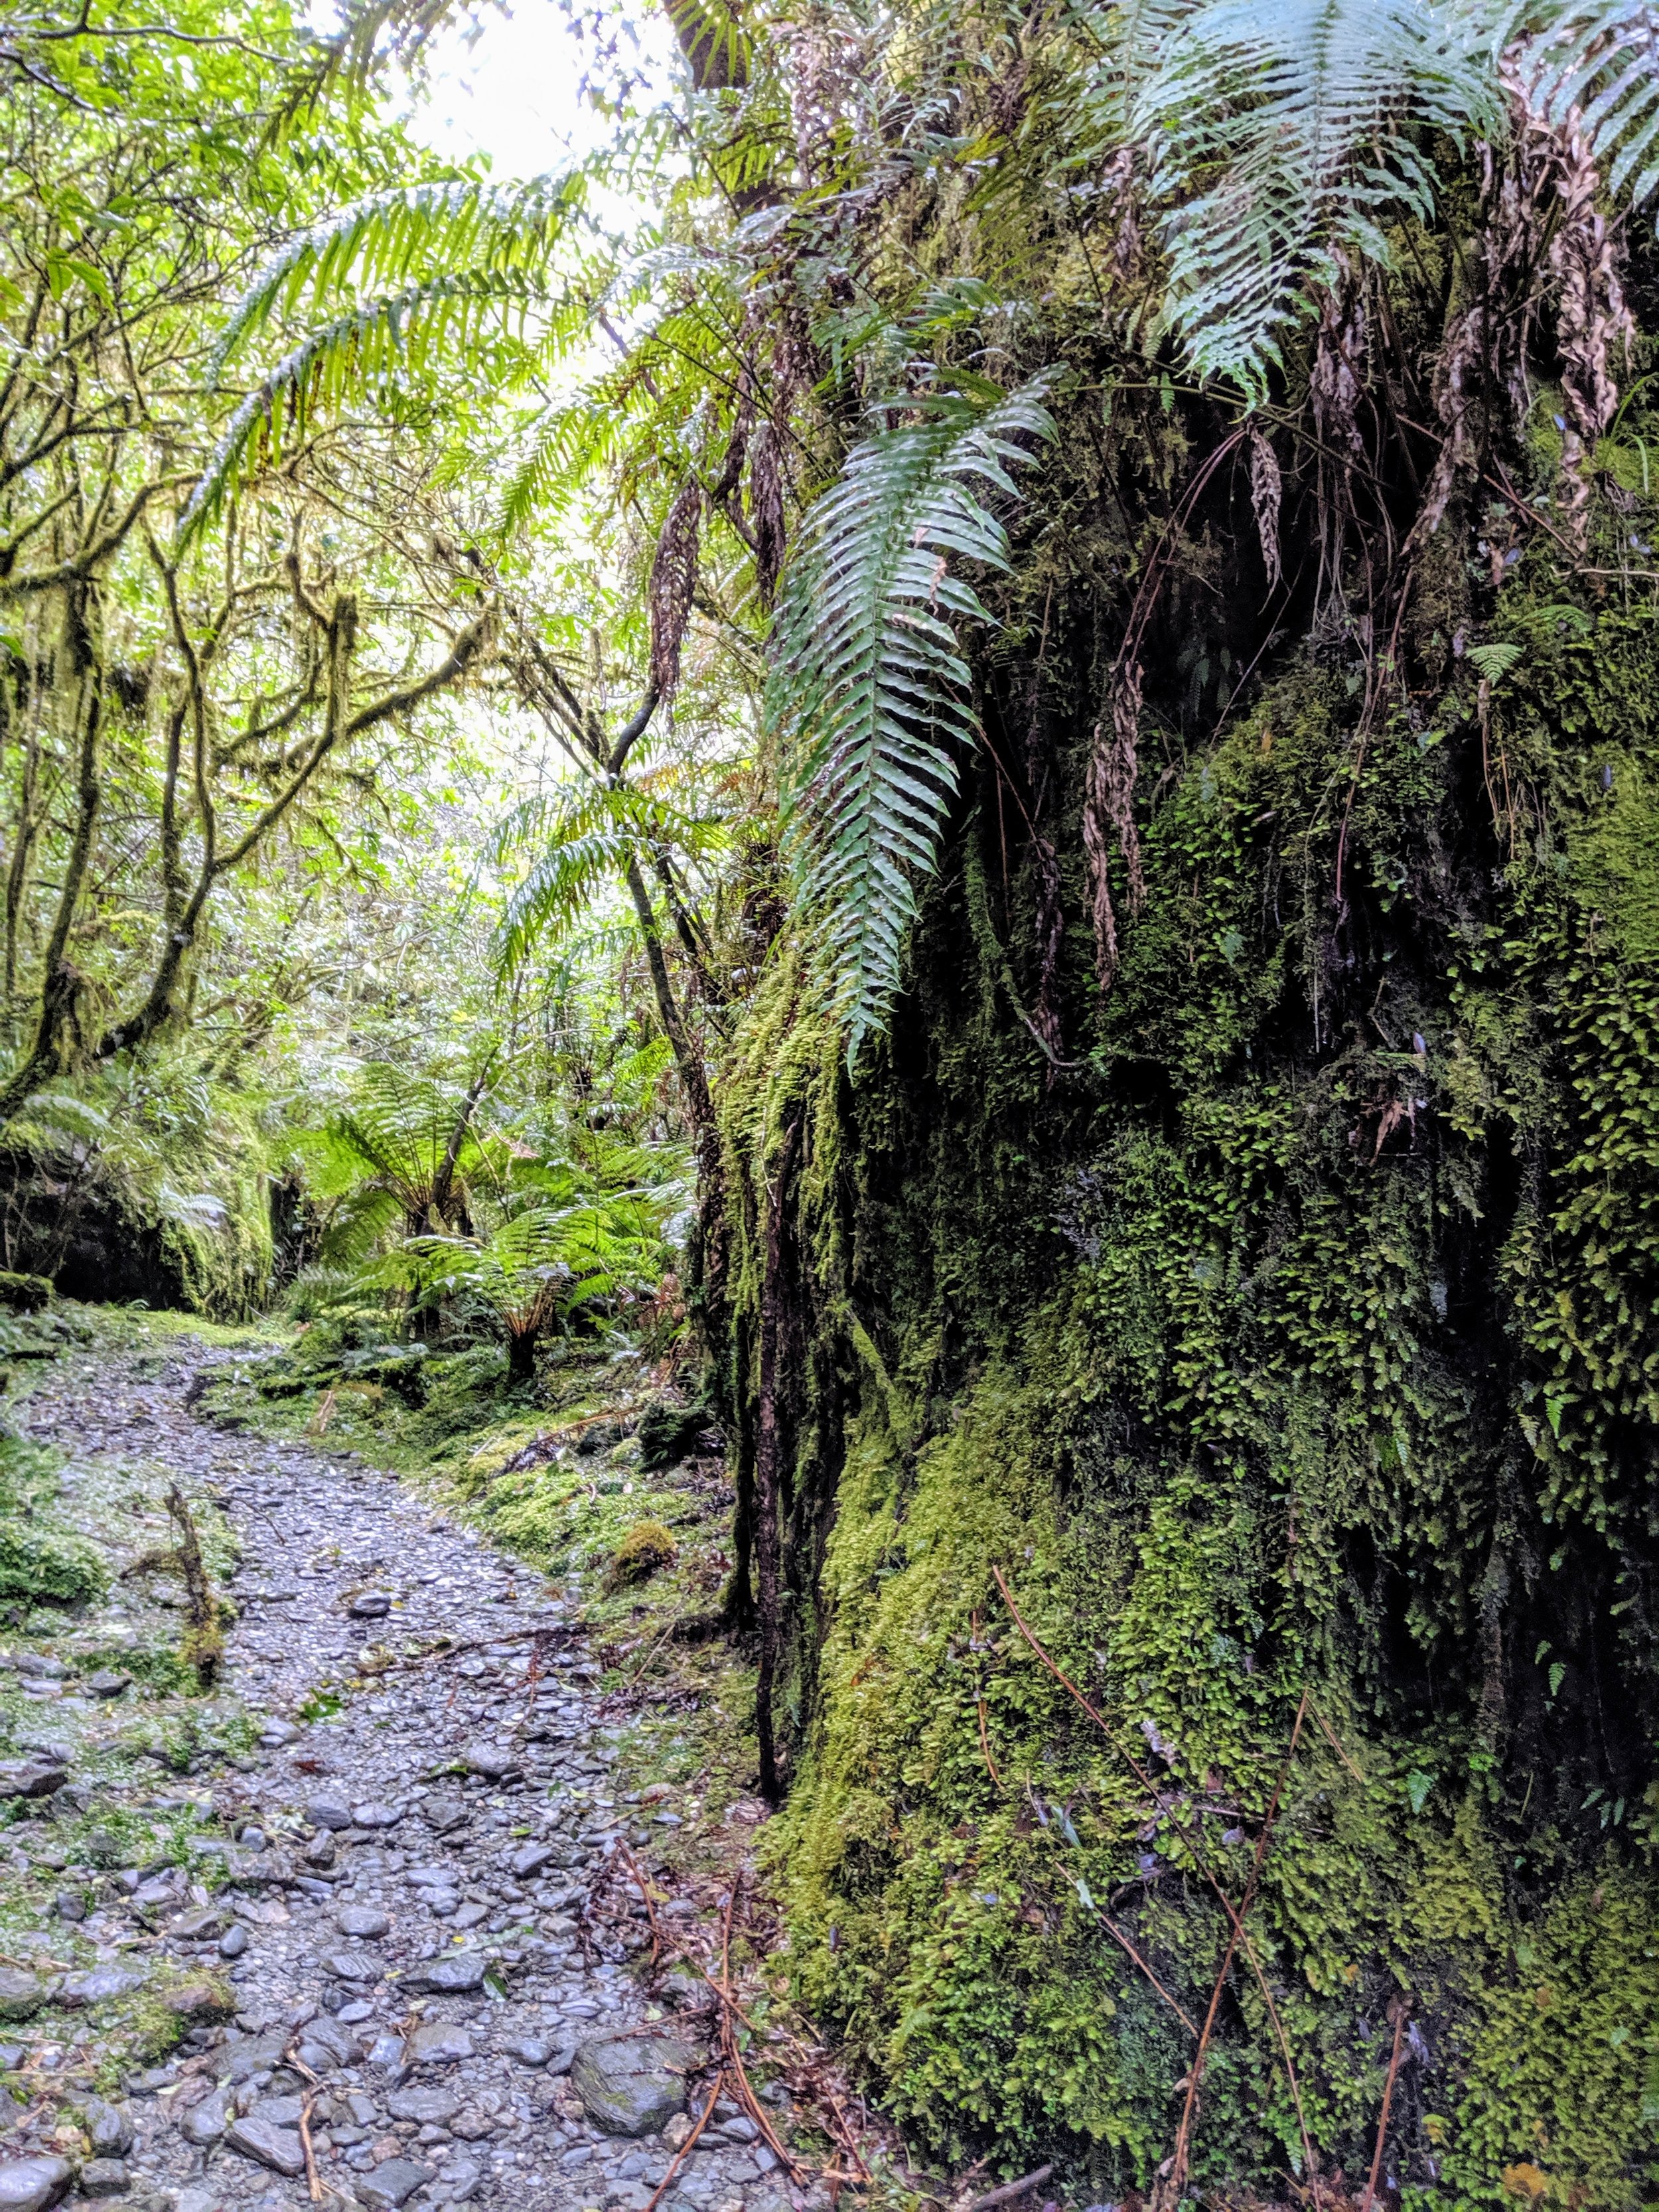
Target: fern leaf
[(1283, 135), (389, 241), (866, 698)]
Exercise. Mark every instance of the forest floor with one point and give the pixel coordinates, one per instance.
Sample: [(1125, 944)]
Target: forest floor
[(366, 1918)]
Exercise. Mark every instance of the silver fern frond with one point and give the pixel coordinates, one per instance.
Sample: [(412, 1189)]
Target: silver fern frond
[(867, 696)]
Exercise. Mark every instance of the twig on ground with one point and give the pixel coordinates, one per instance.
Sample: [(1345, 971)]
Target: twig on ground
[(685, 2148)]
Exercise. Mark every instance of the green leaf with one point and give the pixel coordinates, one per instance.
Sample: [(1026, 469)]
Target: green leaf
[(1417, 1787), (1492, 661), (866, 700)]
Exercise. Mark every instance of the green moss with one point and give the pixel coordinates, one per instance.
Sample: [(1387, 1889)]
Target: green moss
[(1301, 1344)]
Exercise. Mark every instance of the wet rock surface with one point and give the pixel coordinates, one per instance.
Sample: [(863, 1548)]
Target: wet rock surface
[(367, 1933)]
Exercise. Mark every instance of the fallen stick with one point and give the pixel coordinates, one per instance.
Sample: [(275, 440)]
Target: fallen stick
[(686, 2148), (1401, 2013), (1010, 2190)]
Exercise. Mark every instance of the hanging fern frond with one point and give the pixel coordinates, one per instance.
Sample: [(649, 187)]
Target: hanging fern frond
[(368, 351), (867, 696), (1282, 138), (1598, 67), (387, 242)]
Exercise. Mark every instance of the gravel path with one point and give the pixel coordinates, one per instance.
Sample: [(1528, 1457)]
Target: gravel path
[(408, 1862)]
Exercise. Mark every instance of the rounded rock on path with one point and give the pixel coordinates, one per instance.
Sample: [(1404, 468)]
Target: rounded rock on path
[(233, 1942), (633, 2084), (362, 1920), (494, 1761), (267, 2144), (373, 1605), (459, 2182), (21, 1995), (324, 1811), (109, 2128), (375, 1815), (385, 2186), (104, 2177), (456, 1975), (530, 1858), (438, 2043), (28, 2185), (108, 1682), (32, 1778), (204, 2124)]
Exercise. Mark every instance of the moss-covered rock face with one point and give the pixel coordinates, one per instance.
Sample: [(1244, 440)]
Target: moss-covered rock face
[(1290, 1350)]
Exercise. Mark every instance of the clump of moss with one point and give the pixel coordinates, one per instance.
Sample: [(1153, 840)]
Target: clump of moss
[(646, 1547), (40, 1562)]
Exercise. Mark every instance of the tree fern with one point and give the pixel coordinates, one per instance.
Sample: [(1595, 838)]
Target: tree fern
[(867, 698)]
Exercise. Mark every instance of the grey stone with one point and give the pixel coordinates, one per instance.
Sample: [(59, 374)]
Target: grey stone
[(462, 2179), (387, 2185), (529, 2050), (373, 1605), (362, 1920), (494, 1761), (21, 1995), (438, 2043), (280, 2112), (109, 2126), (571, 2161), (233, 1942), (455, 1974), (375, 1816), (275, 1734), (354, 1965), (40, 1667), (98, 1985), (267, 2145), (26, 2185), (206, 2122), (328, 2036), (104, 2177), (328, 1813), (530, 1858), (625, 2083), (321, 1851), (252, 2054), (31, 1778), (445, 1815), (470, 1916), (429, 2107)]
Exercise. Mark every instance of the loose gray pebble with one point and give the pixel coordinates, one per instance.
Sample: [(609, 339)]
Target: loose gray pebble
[(233, 1942)]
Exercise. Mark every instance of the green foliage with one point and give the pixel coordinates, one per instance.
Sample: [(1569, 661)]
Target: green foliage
[(1286, 143), (647, 1547), (41, 1562), (867, 691)]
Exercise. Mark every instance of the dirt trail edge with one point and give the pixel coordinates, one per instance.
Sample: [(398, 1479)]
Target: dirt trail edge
[(371, 1914)]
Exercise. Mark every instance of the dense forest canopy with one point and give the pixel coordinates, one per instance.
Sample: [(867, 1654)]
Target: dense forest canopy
[(974, 715)]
